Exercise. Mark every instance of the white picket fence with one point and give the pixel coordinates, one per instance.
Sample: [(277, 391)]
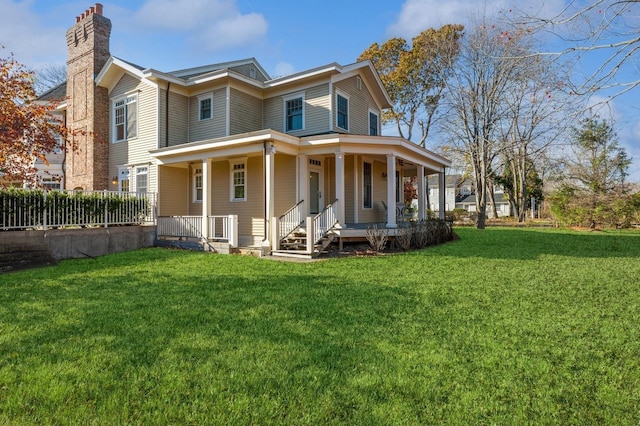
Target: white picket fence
[(24, 209)]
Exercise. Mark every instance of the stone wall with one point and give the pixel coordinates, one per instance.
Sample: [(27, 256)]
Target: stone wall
[(23, 249)]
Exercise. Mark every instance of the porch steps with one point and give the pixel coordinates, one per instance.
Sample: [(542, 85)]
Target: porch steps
[(295, 245)]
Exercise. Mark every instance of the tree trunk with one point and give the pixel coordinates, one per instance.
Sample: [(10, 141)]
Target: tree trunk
[(492, 199)]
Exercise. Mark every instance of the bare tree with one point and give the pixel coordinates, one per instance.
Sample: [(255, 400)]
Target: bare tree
[(607, 29), (489, 62), (49, 77)]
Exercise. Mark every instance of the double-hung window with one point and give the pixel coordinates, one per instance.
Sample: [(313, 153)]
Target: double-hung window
[(373, 123), (205, 107), (125, 118), (142, 179), (367, 186), (294, 112), (197, 184), (238, 181), (342, 111)]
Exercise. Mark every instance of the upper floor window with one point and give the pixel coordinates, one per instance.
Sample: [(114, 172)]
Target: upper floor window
[(205, 107), (197, 184), (342, 103), (367, 186), (238, 181), (125, 118), (142, 181), (294, 112), (373, 123)]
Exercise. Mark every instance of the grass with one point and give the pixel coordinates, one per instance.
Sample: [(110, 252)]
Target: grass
[(505, 326)]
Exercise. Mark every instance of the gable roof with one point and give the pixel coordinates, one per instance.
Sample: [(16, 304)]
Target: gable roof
[(114, 67), (56, 93)]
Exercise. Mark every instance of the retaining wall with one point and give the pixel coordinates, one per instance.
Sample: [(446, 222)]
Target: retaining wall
[(77, 243)]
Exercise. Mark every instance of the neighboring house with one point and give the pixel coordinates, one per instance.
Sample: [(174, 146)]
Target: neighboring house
[(455, 187), (227, 139), (51, 175), (468, 203)]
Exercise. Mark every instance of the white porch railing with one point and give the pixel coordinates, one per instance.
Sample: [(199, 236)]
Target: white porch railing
[(324, 221), (223, 228), (290, 220), (36, 209)]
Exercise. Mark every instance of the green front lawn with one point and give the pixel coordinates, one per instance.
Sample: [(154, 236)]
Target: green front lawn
[(505, 326)]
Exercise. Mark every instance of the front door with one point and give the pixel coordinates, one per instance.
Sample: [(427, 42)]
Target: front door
[(315, 192)]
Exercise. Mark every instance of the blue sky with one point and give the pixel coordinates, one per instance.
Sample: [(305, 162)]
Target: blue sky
[(285, 36)]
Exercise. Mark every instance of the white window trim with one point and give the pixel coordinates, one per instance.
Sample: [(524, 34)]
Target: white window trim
[(129, 98), (291, 97), (124, 172), (194, 176), (377, 114), (370, 162), (139, 172), (232, 163), (203, 98), (348, 98)]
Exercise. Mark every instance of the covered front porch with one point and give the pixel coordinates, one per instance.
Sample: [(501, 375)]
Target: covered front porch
[(261, 190)]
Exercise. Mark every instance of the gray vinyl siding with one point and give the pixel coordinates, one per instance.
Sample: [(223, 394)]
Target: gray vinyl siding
[(349, 193), (285, 188), (379, 191), (250, 212), (178, 119), (213, 128), (136, 151), (245, 113), (359, 103), (316, 111), (173, 196), (246, 71)]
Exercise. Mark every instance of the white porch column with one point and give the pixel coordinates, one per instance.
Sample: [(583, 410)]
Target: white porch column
[(340, 193), (442, 193), (303, 183), (422, 205), (206, 196), (391, 191), (269, 188)]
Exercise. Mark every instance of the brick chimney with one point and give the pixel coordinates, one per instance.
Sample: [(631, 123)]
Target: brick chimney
[(87, 105)]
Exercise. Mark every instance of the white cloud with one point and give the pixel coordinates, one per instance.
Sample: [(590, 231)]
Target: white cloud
[(23, 33), (211, 25), (282, 69), (418, 15)]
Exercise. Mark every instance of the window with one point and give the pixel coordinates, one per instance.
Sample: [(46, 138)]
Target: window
[(50, 183), (197, 184), (238, 182), (252, 72), (399, 191), (142, 181), (205, 107), (373, 123), (125, 118), (367, 187), (342, 111), (123, 180), (294, 113)]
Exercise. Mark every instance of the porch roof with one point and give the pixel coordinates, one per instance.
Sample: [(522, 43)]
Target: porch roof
[(327, 144)]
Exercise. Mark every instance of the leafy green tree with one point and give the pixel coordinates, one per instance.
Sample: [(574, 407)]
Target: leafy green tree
[(415, 76)]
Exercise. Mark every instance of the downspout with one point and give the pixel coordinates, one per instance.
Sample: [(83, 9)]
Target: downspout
[(166, 116)]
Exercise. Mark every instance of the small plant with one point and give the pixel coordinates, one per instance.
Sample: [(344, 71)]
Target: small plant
[(377, 236), (404, 236)]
